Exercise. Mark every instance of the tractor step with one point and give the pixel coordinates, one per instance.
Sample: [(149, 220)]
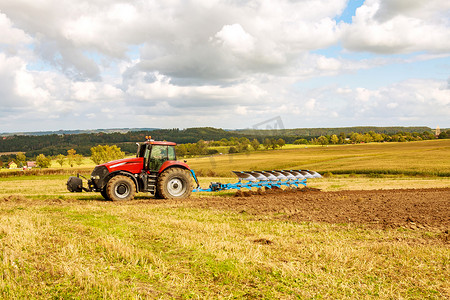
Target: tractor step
[(148, 182)]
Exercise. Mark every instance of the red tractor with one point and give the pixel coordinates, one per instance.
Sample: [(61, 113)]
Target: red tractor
[(154, 170)]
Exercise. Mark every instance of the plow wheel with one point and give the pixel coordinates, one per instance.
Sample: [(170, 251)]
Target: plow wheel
[(174, 183)]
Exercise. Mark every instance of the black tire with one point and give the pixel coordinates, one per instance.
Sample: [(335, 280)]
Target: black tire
[(157, 195), (104, 194), (174, 183), (120, 188)]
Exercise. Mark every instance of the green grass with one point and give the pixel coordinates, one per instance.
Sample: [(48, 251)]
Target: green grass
[(138, 250)]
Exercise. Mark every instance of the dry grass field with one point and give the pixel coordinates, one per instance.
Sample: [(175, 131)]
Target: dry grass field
[(413, 158), (293, 245)]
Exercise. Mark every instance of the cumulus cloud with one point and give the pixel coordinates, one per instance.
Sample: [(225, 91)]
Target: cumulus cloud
[(413, 99), (399, 26), (11, 35), (159, 88), (236, 39), (208, 61), (9, 68)]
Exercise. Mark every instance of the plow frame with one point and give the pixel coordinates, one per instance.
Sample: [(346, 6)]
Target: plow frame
[(247, 181)]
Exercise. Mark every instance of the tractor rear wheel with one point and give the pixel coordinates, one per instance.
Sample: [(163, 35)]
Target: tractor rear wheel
[(120, 188), (174, 183)]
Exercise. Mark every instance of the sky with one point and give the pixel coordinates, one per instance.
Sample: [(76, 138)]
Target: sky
[(89, 64)]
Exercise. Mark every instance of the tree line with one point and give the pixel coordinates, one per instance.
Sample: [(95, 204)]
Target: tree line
[(197, 141), (232, 145), (55, 144), (99, 154), (371, 136)]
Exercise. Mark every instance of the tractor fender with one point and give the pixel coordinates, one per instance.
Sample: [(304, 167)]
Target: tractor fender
[(171, 164), (124, 173)]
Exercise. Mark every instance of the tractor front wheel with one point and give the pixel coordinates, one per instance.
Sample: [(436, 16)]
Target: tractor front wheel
[(120, 188), (174, 183)]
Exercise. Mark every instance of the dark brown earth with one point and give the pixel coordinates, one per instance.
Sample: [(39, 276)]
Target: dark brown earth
[(421, 209), (409, 208)]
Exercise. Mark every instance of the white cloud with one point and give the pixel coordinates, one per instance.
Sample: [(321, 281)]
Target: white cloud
[(399, 26), (392, 105), (325, 63), (416, 99), (95, 91), (156, 87), (236, 39), (9, 34), (181, 63)]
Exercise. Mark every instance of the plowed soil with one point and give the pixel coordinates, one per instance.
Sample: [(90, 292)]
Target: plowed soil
[(410, 208), (426, 209)]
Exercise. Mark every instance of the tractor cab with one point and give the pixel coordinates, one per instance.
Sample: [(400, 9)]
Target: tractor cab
[(155, 153)]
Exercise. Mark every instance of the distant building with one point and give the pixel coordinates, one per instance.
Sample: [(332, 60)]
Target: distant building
[(437, 131), (31, 164), (12, 165)]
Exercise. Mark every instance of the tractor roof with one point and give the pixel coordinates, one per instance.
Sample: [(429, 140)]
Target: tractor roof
[(162, 143)]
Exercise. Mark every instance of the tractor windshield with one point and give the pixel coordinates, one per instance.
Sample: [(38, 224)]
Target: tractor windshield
[(160, 154)]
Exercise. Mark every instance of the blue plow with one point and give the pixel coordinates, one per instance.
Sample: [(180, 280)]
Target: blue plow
[(261, 179)]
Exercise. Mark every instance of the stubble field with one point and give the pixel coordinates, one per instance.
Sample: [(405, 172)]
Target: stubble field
[(374, 235)]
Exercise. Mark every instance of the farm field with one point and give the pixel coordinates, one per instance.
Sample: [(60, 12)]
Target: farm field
[(413, 158), (373, 231)]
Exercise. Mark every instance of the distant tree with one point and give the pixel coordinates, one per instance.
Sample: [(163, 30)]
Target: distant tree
[(199, 148), (71, 157), (104, 153), (301, 142), (42, 161), (242, 147), (181, 150), (78, 159), (444, 134), (426, 135), (244, 140), (266, 143), (232, 150), (399, 137), (212, 151), (60, 159), (342, 138), (224, 142), (255, 144), (281, 143), (356, 137), (233, 141), (273, 144), (376, 137), (323, 140), (21, 158), (367, 138), (334, 139)]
